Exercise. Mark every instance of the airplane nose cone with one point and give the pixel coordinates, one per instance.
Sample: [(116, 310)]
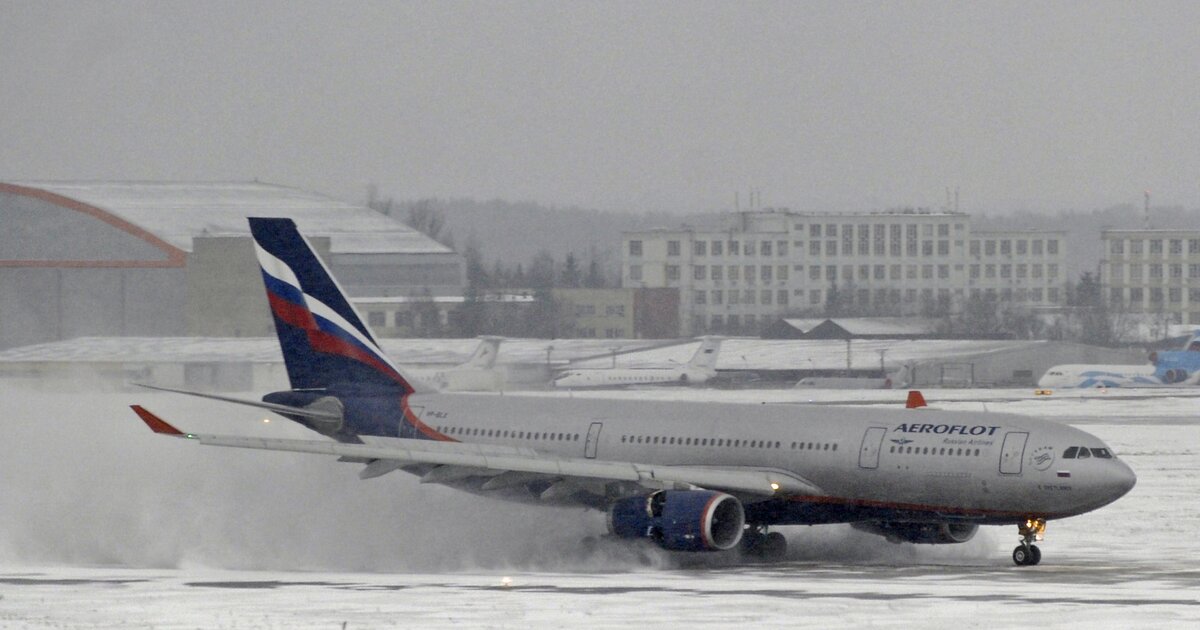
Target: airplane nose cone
[(1121, 480)]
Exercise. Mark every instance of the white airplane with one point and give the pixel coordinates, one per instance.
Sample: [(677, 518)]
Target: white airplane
[(1168, 368), (697, 371), (476, 374), (896, 380), (684, 475)]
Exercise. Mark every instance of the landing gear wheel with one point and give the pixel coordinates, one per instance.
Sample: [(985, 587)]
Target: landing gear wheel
[(773, 547), (1027, 556), (759, 545)]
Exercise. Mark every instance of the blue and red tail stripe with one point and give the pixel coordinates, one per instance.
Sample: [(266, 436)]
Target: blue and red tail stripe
[(323, 339)]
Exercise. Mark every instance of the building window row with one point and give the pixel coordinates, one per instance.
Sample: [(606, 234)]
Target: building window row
[(1153, 246), (1006, 247)]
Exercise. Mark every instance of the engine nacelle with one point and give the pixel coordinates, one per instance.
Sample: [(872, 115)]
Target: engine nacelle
[(921, 533), (680, 520)]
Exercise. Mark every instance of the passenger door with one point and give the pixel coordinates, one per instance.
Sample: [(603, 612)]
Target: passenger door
[(868, 455), (592, 441), (1013, 452)]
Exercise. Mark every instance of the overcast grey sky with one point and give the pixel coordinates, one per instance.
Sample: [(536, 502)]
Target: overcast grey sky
[(640, 106)]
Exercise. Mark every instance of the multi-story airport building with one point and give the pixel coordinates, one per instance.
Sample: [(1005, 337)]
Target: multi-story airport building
[(767, 263), (1153, 272)]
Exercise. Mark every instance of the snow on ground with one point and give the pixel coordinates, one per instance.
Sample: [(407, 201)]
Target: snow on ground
[(104, 525)]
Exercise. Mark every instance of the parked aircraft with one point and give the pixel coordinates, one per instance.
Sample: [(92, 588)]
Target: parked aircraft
[(698, 370), (688, 476), (477, 374), (896, 380), (1169, 368)]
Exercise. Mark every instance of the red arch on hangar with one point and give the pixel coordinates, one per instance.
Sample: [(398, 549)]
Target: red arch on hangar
[(175, 257)]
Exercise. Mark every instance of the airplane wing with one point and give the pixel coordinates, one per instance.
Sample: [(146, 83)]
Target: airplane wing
[(497, 459)]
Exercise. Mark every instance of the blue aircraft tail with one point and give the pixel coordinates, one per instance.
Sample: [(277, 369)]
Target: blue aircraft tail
[(323, 339)]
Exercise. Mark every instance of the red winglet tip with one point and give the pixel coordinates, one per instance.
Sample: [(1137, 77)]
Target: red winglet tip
[(915, 400), (156, 424)]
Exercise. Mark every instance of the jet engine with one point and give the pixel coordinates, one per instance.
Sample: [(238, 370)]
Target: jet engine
[(680, 520), (921, 533)]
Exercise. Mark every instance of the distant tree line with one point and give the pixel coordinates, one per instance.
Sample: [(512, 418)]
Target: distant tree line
[(501, 298)]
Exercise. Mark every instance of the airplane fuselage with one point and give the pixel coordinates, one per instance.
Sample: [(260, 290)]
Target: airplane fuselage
[(868, 463), (619, 377)]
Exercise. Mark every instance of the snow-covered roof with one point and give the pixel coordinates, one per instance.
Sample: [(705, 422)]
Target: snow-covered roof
[(874, 326), (177, 212), (803, 325), (735, 353), (879, 326)]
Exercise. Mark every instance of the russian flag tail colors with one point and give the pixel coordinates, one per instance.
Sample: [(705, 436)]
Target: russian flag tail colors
[(323, 339)]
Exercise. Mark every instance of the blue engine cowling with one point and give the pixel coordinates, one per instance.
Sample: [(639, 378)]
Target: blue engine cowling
[(921, 533), (680, 520)]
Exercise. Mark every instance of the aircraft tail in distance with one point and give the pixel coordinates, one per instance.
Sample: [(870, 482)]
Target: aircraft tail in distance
[(706, 355), (485, 353), (323, 339)]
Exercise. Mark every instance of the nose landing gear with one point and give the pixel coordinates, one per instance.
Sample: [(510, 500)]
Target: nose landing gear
[(1027, 554)]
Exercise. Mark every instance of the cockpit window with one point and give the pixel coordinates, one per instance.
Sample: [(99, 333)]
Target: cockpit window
[(1083, 452), (1071, 452), (1102, 453)]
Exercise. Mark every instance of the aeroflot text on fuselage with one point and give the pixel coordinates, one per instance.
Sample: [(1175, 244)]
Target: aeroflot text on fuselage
[(951, 429)]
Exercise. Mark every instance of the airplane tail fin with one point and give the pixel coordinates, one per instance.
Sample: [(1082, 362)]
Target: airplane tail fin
[(324, 341), (915, 400), (706, 355), (485, 353)]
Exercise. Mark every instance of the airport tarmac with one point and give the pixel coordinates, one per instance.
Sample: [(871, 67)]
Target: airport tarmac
[(103, 525)]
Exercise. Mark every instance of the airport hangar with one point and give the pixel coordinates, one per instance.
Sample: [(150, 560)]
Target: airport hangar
[(121, 259)]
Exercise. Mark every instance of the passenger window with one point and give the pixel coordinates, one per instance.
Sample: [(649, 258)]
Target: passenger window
[(1102, 453), (1083, 453), (1071, 452)]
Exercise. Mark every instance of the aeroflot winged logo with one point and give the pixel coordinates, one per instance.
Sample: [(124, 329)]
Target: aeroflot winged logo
[(948, 429)]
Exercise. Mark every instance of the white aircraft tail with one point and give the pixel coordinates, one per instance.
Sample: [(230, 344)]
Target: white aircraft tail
[(706, 356), (485, 353)]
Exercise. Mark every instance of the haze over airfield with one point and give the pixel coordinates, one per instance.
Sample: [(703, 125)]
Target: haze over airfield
[(621, 106)]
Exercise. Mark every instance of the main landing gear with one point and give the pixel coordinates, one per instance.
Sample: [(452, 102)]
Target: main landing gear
[(760, 545), (1027, 554)]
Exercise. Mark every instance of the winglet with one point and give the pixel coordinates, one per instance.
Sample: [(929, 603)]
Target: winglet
[(915, 400), (156, 424)]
